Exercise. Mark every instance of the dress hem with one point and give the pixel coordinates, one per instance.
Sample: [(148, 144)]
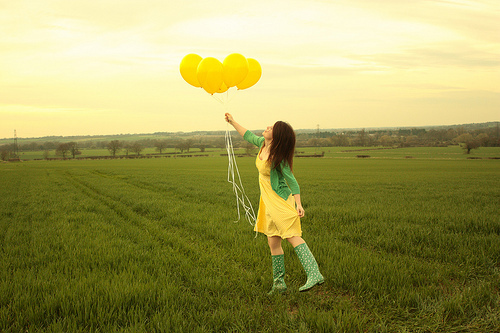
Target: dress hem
[(282, 236)]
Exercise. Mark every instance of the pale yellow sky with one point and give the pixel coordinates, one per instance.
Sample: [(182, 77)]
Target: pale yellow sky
[(87, 67)]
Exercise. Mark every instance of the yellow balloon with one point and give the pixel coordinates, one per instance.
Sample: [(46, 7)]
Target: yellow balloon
[(235, 69), (222, 88), (209, 74), (254, 74), (188, 68)]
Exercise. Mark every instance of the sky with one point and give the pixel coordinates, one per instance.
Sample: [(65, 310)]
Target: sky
[(92, 67)]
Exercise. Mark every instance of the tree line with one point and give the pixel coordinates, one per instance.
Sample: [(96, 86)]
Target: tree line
[(467, 138), (115, 147)]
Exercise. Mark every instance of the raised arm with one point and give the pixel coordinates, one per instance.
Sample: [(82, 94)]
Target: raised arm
[(236, 126)]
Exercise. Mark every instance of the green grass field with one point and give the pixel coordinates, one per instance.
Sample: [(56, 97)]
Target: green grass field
[(450, 152), (405, 245)]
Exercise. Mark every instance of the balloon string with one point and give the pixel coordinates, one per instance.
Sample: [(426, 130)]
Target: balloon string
[(228, 99), (239, 191), (218, 99), (223, 98)]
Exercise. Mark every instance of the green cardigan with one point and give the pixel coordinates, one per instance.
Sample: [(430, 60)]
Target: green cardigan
[(283, 182)]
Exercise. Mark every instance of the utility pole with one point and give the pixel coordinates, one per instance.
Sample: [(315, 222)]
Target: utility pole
[(16, 147)]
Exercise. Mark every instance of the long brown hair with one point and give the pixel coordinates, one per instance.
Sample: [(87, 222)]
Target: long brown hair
[(282, 147)]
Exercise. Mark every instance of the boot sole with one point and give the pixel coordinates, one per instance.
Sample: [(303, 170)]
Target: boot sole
[(314, 285)]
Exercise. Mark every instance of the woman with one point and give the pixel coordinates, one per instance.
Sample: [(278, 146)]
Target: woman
[(280, 208)]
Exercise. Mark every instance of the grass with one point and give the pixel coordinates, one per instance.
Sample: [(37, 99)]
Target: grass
[(405, 245)]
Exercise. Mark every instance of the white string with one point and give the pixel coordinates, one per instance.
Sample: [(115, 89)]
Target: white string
[(239, 191)]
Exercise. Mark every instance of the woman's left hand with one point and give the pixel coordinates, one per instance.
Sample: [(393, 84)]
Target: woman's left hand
[(300, 211)]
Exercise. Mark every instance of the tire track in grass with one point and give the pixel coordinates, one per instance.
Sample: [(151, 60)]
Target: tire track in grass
[(190, 201), (140, 221), (184, 263), (184, 193), (113, 205), (195, 255)]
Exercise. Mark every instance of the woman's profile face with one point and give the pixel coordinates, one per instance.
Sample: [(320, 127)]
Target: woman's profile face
[(268, 133)]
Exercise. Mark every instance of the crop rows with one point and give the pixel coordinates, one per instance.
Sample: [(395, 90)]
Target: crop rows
[(151, 245)]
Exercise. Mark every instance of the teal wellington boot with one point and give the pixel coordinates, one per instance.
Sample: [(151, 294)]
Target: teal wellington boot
[(310, 265), (279, 285)]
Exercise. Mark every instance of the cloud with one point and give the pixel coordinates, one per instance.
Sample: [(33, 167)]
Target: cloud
[(445, 54), (472, 19), (363, 59)]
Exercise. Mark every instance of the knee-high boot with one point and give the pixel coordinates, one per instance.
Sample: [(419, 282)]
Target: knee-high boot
[(310, 265), (279, 285)]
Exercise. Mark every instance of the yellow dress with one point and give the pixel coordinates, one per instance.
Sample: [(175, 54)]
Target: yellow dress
[(276, 217)]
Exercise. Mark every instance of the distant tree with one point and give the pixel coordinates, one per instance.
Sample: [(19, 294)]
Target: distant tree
[(220, 143), (340, 140), (469, 145), (33, 146), (188, 144), (62, 149), (180, 146), (468, 142), (114, 147), (73, 149), (249, 148), (461, 130), (451, 134), (202, 147), (386, 140), (483, 139), (314, 142), (136, 147), (4, 154), (184, 145), (127, 147), (160, 145), (49, 145), (46, 154), (361, 138)]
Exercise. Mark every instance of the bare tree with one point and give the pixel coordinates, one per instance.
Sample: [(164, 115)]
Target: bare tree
[(184, 145), (4, 154), (180, 145), (136, 147), (386, 140), (160, 145), (188, 144), (362, 138), (73, 149), (249, 148), (468, 142), (114, 147), (483, 139), (62, 149), (340, 140)]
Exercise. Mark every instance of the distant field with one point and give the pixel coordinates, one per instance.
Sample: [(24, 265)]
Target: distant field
[(451, 152), (405, 245)]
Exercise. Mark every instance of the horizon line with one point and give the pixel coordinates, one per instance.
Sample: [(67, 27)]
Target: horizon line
[(208, 131)]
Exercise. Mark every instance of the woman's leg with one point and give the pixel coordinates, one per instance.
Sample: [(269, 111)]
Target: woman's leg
[(296, 240), (308, 261), (278, 261), (275, 245)]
